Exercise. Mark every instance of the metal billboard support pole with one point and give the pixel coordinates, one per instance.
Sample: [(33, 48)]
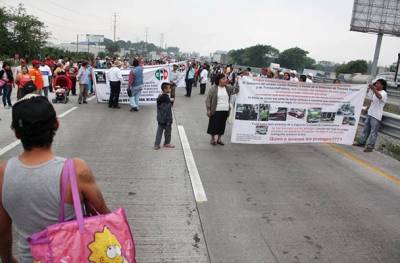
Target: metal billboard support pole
[(397, 68), (374, 68)]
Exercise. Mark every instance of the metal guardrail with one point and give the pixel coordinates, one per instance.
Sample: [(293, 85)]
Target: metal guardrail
[(393, 92), (390, 124)]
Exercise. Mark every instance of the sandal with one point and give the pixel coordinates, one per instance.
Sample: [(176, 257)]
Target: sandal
[(220, 143)]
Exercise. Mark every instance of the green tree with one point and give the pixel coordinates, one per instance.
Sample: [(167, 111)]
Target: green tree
[(27, 33), (355, 66), (255, 56), (295, 58), (112, 47), (102, 55), (5, 35)]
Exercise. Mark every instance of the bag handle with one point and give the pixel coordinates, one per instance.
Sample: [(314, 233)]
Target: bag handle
[(69, 174)]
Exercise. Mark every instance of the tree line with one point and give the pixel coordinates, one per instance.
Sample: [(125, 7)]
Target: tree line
[(292, 58)]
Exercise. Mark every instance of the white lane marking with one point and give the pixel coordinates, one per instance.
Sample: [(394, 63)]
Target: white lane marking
[(197, 185), (9, 147), (67, 112), (91, 98), (18, 142)]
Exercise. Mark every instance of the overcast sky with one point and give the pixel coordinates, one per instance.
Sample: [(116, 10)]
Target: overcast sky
[(319, 26)]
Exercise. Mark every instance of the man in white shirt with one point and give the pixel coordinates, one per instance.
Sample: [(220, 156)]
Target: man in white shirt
[(46, 74), (114, 77), (203, 80), (310, 77), (378, 96), (293, 76)]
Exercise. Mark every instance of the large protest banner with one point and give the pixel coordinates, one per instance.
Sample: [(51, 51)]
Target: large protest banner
[(280, 112), (153, 77)]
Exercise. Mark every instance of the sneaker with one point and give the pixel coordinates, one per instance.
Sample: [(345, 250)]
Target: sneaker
[(358, 144), (7, 107), (85, 102), (80, 102), (156, 147), (368, 150), (169, 145)]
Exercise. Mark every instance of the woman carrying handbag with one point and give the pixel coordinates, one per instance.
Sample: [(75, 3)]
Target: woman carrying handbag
[(35, 194)]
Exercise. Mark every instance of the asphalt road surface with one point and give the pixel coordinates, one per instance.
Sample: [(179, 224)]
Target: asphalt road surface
[(265, 203)]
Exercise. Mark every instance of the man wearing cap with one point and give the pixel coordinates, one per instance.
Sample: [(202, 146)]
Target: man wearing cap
[(36, 76), (114, 77)]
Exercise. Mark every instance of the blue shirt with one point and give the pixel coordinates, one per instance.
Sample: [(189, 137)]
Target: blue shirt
[(138, 71), (84, 75)]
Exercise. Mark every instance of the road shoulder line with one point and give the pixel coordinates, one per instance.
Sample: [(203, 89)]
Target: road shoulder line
[(365, 164), (197, 185)]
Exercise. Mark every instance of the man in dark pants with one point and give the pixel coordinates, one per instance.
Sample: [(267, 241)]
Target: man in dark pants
[(203, 79), (189, 80), (114, 77)]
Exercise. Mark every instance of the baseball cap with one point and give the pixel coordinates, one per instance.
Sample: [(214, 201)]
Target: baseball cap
[(35, 62)]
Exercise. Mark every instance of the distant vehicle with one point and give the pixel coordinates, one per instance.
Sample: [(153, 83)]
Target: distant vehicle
[(297, 113), (352, 121), (389, 77), (314, 115), (262, 130), (280, 115), (349, 120), (346, 110), (328, 116)]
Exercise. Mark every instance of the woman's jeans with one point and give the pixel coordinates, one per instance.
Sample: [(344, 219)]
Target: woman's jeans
[(370, 132), (134, 100), (7, 89)]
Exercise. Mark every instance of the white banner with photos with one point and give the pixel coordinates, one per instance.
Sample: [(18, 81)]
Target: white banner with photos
[(269, 111)]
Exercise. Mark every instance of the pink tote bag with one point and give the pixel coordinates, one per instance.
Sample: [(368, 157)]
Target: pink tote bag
[(97, 239)]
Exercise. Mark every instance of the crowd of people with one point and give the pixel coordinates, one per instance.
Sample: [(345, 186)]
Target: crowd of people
[(37, 171)]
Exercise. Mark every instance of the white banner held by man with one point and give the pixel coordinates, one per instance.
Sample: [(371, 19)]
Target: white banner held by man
[(153, 77), (280, 112)]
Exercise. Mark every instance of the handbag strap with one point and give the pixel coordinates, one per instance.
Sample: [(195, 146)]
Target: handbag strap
[(69, 174)]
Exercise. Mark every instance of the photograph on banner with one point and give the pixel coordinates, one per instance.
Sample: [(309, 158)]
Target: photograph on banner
[(271, 111), (153, 77)]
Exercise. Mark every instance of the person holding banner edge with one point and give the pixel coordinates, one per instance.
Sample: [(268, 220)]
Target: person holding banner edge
[(218, 107), (377, 94)]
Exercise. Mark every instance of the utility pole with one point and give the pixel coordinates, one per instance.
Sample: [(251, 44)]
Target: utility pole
[(115, 26)]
